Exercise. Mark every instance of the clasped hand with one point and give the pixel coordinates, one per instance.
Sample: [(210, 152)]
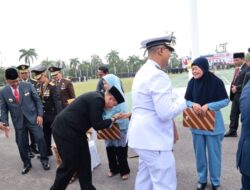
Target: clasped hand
[(234, 89), (200, 110), (5, 129)]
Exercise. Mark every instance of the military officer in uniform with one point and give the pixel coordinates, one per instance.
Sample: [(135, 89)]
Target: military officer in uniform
[(65, 86), (24, 76), (151, 129), (50, 98)]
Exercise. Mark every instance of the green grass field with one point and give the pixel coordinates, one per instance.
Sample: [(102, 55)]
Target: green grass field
[(178, 81)]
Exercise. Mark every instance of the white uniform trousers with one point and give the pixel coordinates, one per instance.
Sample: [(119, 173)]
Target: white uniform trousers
[(156, 170)]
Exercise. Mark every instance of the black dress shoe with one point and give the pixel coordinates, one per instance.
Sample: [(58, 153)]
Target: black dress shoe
[(34, 150), (201, 186), (216, 187), (45, 165), (30, 154), (26, 169), (231, 134)]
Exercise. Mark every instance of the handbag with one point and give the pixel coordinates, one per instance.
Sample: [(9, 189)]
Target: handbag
[(112, 133), (192, 120)]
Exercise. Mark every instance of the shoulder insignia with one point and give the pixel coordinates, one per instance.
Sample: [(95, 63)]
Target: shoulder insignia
[(33, 79), (52, 84)]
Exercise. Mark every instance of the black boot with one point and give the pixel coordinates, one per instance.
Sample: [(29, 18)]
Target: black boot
[(231, 133)]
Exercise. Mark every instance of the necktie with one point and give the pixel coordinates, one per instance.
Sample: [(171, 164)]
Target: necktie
[(16, 94), (236, 74)]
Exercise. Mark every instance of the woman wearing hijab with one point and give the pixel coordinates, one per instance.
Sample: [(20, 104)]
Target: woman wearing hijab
[(117, 150), (205, 92)]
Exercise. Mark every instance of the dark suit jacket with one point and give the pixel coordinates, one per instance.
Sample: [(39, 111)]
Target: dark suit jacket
[(246, 79), (239, 81), (84, 112), (100, 86), (243, 153), (30, 105)]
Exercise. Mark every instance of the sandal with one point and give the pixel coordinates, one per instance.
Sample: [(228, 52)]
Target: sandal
[(111, 174), (125, 176)]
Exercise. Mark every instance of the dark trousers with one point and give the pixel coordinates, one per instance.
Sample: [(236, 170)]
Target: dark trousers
[(47, 134), (75, 157), (33, 144), (117, 157), (235, 114), (245, 181), (22, 141)]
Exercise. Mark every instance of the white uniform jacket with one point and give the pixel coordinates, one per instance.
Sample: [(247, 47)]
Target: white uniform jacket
[(153, 109)]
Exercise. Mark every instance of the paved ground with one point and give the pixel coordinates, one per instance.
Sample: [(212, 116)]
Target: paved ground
[(38, 179)]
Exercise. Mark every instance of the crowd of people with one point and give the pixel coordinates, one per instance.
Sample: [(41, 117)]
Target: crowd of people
[(41, 108)]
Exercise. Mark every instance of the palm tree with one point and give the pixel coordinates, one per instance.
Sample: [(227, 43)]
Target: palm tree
[(113, 58), (134, 63), (61, 64), (85, 67), (95, 62), (131, 61), (47, 63), (28, 55), (74, 64)]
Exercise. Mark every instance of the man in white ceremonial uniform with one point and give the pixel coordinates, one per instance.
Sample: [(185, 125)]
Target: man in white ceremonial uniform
[(151, 132)]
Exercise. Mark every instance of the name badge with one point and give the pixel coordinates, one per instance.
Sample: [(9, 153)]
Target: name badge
[(10, 100), (26, 94)]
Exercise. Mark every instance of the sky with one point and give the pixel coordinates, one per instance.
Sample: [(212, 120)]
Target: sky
[(64, 29)]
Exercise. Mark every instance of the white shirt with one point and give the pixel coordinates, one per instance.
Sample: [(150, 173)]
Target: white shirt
[(13, 90), (153, 109)]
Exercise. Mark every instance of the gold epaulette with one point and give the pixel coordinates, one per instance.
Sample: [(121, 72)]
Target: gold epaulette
[(52, 84), (69, 101), (33, 79)]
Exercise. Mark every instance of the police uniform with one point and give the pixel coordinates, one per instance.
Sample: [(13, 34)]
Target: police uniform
[(25, 69), (65, 87), (150, 131), (50, 98)]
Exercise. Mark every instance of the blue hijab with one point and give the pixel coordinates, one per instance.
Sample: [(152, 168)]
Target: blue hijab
[(209, 88), (113, 80)]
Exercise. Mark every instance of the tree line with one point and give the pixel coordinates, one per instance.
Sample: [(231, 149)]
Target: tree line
[(75, 68)]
